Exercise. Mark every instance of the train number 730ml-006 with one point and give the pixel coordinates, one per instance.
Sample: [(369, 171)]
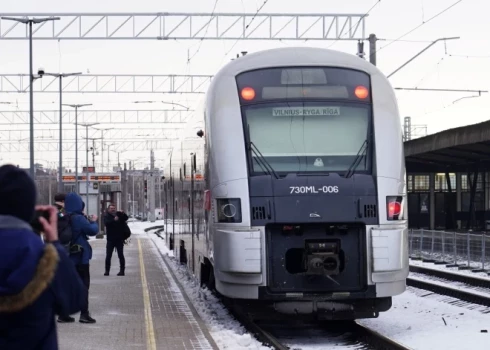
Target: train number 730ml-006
[(313, 189)]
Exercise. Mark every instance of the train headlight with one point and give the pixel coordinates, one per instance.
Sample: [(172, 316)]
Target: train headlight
[(229, 210), (394, 208)]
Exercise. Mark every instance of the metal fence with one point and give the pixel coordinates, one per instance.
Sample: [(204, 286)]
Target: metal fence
[(467, 251)]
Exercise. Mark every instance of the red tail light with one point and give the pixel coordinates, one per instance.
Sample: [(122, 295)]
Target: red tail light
[(394, 207)]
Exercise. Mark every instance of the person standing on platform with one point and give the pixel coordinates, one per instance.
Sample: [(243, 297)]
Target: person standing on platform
[(80, 249), (116, 231)]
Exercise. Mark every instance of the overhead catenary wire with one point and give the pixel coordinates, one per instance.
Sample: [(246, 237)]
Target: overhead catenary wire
[(431, 70), (420, 25), (246, 27), (205, 33)]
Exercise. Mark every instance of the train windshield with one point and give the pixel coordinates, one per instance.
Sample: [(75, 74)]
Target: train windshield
[(308, 136)]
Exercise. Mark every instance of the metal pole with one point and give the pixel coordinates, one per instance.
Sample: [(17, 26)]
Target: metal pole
[(102, 150), (31, 107), (76, 150), (60, 186), (372, 48), (132, 178), (86, 158), (483, 252), (173, 214), (432, 245), (160, 192), (410, 235), (421, 243), (193, 170), (455, 251), (93, 153)]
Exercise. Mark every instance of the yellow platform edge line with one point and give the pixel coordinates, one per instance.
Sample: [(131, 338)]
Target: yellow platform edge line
[(150, 333)]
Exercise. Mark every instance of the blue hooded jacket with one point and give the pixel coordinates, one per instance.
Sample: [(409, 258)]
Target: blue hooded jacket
[(37, 281), (81, 228)]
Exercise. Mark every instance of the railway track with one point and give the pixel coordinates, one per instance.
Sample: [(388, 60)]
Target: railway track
[(473, 281), (288, 334), (470, 289)]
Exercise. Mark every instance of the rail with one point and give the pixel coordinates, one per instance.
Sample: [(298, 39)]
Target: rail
[(153, 228), (466, 251), (472, 281), (443, 288)]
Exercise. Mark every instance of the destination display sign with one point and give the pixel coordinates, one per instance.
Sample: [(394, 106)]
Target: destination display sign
[(305, 111), (93, 178)]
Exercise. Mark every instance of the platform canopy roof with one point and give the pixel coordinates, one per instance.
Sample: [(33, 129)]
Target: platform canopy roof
[(462, 149)]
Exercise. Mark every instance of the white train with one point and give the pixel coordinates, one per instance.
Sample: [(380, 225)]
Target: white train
[(297, 196)]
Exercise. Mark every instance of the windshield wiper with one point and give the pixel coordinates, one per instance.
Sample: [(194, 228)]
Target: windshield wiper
[(264, 164), (358, 158)]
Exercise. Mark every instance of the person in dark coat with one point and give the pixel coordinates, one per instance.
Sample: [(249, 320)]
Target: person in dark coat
[(81, 251), (37, 280), (59, 202), (114, 221)]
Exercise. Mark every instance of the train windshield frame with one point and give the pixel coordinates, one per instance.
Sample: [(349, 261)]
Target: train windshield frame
[(306, 120), (311, 141)]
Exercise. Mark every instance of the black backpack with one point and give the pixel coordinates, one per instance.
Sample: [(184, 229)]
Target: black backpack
[(65, 233), (126, 231)]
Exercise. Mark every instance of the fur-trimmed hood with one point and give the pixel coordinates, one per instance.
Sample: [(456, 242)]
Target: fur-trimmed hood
[(27, 266)]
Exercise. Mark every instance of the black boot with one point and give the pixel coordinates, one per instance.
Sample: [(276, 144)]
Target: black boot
[(85, 318), (121, 271), (106, 273)]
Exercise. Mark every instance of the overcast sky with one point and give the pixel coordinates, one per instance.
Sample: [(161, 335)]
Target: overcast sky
[(461, 64)]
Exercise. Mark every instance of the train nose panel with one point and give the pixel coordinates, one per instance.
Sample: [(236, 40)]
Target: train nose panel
[(313, 209), (316, 258)]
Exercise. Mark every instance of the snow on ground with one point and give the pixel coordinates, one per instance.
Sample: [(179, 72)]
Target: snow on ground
[(452, 269), (225, 330), (430, 323), (419, 319)]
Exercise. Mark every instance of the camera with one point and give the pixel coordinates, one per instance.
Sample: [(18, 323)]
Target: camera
[(36, 225), (40, 71)]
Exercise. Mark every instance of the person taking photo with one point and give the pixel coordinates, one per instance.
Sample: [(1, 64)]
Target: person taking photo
[(37, 280)]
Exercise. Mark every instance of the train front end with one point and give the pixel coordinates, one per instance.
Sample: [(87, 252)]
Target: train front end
[(317, 223)]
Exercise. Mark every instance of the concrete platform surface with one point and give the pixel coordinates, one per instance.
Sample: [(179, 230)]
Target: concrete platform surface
[(141, 310)]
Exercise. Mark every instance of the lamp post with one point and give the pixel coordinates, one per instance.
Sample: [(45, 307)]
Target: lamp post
[(60, 76), (87, 125), (29, 22), (76, 140)]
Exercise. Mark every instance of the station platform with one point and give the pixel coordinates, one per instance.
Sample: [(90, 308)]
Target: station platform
[(142, 310)]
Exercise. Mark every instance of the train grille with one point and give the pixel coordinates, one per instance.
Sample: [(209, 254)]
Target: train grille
[(258, 213), (370, 210)]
